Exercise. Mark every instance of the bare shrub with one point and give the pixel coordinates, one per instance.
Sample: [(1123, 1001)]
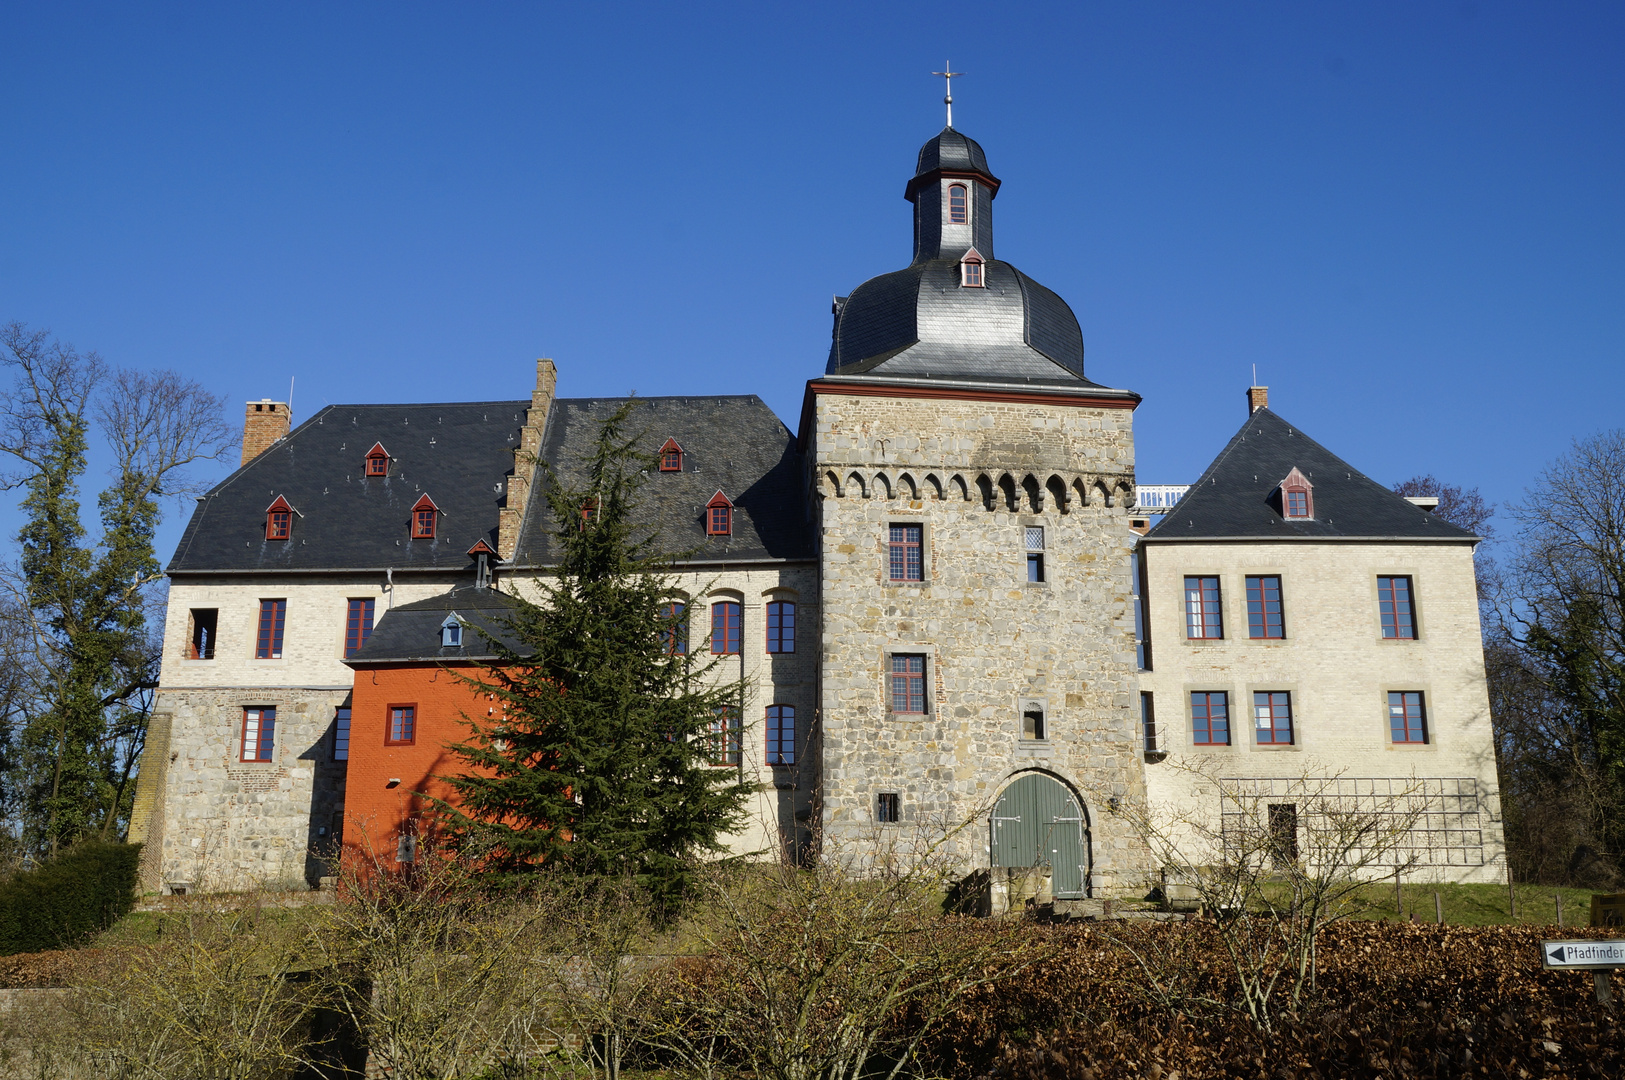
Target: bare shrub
[(432, 964), (1273, 870), (833, 971), (221, 997)]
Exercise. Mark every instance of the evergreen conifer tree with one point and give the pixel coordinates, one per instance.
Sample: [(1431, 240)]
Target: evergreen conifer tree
[(615, 751)]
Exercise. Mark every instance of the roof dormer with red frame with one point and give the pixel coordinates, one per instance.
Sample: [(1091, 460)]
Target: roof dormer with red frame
[(377, 461), (671, 457), (425, 514), (719, 516), (279, 520)]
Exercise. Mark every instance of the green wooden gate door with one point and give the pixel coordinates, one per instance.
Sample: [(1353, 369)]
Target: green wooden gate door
[(1038, 822)]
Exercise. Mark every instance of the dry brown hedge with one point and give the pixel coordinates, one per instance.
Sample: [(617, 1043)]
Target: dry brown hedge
[(1397, 1000)]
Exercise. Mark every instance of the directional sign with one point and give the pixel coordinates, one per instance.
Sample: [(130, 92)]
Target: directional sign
[(1582, 955)]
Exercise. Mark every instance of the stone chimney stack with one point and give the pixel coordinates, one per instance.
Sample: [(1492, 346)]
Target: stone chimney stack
[(266, 422), (512, 514), (1258, 397)]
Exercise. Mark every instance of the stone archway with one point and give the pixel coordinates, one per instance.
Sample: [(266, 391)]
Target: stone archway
[(1039, 822)]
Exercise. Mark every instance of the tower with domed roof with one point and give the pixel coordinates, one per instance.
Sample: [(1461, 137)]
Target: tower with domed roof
[(978, 659)]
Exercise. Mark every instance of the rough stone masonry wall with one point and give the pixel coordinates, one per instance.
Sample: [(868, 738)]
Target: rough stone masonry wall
[(974, 475)]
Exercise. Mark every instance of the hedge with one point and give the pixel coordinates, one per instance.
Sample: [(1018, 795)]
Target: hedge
[(64, 900)]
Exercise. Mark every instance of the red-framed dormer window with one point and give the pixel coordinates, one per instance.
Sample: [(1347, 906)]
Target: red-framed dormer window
[(279, 520), (671, 457), (377, 460), (589, 512), (958, 204), (719, 516), (970, 270), (424, 512), (1297, 496)]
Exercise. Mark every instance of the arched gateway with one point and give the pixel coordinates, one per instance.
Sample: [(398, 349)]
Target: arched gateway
[(1039, 822)]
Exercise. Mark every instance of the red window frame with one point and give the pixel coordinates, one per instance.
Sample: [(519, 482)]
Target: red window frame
[(727, 624), (907, 684), (377, 464), (1274, 706), (719, 516), (357, 625), (725, 739), (259, 742), (781, 734), (1407, 716), (1297, 502), (971, 270), (424, 512), (341, 733), (958, 204), (674, 634), (781, 626), (1204, 615), (401, 723), (1265, 620), (1397, 608), (905, 550), (279, 520), (671, 457), (273, 624), (1210, 718)]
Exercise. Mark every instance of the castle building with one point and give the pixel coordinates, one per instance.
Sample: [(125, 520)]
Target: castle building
[(932, 590)]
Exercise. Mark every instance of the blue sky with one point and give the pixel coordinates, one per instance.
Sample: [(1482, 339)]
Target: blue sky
[(1409, 216)]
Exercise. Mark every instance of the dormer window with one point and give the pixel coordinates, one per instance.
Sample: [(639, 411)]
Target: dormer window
[(1297, 496), (589, 512), (377, 460), (424, 512), (671, 457), (451, 632), (958, 204), (719, 516), (279, 520), (970, 270)]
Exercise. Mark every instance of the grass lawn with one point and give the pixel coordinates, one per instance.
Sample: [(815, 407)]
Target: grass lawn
[(1480, 905), (149, 927)]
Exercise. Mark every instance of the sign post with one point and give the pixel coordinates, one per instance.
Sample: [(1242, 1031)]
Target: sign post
[(1597, 957)]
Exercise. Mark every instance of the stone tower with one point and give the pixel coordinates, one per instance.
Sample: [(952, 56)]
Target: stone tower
[(978, 658)]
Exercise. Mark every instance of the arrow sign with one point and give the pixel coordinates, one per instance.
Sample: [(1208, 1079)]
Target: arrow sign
[(1582, 955)]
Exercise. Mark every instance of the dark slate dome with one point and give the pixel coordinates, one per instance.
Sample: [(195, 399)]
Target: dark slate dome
[(931, 319)]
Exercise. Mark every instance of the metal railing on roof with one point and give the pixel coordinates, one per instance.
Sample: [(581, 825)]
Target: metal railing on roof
[(1158, 498)]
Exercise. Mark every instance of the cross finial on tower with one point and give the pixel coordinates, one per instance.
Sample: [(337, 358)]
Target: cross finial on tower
[(948, 75)]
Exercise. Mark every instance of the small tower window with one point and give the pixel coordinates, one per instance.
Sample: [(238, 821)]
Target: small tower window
[(377, 460), (719, 516), (1297, 496), (451, 632), (424, 512), (958, 205), (279, 520), (970, 270), (671, 457)]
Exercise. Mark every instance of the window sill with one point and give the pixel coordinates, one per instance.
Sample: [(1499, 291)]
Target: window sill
[(905, 716), (1410, 747), (895, 584), (1276, 747)]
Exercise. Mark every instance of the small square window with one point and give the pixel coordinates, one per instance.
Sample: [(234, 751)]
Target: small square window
[(671, 457), (1297, 503), (1032, 723), (972, 271), (423, 524), (377, 464), (888, 808)]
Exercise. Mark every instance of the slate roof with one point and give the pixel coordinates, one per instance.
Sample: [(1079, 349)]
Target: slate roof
[(458, 454), (733, 444), (949, 150), (920, 322), (1236, 496), (410, 633)]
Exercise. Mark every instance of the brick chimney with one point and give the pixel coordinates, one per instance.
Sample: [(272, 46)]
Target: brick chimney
[(1258, 397), (266, 422), (512, 514)]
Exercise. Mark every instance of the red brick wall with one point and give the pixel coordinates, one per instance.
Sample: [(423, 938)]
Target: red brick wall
[(374, 811)]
